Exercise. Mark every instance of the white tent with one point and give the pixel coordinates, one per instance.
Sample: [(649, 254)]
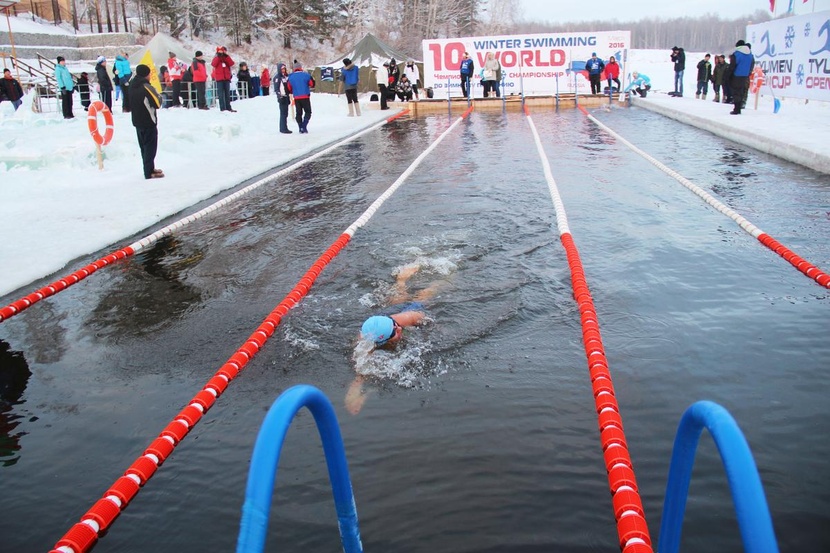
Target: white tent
[(159, 47)]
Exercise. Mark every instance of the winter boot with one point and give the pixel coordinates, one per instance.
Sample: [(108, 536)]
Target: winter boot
[(717, 97), (357, 109), (697, 95), (351, 110), (703, 96)]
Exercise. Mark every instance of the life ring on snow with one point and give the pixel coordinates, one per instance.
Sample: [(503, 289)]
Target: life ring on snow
[(756, 79), (95, 108)]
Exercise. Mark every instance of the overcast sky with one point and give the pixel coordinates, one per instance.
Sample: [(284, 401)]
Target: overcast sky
[(623, 10)]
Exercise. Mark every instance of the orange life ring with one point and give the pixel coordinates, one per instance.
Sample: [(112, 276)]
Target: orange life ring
[(95, 108), (756, 79)]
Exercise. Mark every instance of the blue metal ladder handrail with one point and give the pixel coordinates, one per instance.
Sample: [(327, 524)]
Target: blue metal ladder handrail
[(263, 472), (748, 496)]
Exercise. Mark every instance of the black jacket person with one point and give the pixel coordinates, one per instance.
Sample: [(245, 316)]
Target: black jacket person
[(144, 104)]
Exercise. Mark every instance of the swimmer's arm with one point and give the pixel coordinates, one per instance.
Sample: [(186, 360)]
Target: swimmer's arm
[(408, 318)]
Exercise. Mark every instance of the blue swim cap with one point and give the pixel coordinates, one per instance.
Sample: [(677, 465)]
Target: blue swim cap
[(378, 329)]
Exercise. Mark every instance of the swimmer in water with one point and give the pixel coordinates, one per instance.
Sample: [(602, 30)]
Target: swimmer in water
[(386, 331)]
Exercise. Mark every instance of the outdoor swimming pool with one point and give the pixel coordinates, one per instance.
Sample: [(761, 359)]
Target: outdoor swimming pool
[(481, 434)]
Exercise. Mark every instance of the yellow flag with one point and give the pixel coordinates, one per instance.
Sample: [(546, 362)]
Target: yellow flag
[(147, 60)]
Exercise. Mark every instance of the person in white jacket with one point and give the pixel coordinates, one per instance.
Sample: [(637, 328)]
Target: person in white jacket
[(414, 76)]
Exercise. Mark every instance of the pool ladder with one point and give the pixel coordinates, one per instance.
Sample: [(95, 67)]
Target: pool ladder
[(748, 496)]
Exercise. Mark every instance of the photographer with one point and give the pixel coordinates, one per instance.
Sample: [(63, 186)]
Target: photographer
[(222, 64)]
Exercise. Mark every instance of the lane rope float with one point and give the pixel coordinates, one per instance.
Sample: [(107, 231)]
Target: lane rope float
[(98, 519), (95, 108), (809, 269), (24, 303), (632, 529)]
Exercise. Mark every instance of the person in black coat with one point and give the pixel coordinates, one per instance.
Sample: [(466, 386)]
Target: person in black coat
[(104, 81), (243, 76), (144, 105), (678, 57), (83, 89), (10, 89)]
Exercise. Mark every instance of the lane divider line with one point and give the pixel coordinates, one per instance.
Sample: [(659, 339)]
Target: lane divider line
[(61, 284), (809, 269), (84, 534), (632, 529)]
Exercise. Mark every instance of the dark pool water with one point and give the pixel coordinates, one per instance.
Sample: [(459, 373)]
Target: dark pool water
[(480, 434)]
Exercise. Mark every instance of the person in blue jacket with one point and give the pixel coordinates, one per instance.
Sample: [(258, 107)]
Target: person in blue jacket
[(641, 84), (125, 73), (742, 63), (65, 86), (595, 67), (468, 69), (300, 84), (350, 75)]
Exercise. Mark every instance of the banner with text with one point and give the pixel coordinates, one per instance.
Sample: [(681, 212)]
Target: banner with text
[(794, 53), (533, 64)]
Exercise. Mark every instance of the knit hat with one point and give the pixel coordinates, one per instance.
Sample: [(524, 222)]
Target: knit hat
[(347, 61), (101, 59), (199, 53), (171, 54), (60, 59), (740, 43), (142, 70), (297, 65)]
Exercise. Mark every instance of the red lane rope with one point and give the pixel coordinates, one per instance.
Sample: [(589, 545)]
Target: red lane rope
[(399, 114), (83, 535), (798, 262), (60, 285), (629, 514)]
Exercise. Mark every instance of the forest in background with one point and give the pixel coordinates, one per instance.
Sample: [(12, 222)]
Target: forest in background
[(331, 26)]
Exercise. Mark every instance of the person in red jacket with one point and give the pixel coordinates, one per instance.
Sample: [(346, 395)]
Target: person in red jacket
[(174, 68), (199, 70), (612, 73), (222, 64), (265, 80)]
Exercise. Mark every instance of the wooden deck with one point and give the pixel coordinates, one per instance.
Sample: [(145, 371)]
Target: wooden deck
[(439, 105)]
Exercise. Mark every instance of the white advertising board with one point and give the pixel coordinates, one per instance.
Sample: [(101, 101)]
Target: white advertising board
[(533, 64), (794, 53)]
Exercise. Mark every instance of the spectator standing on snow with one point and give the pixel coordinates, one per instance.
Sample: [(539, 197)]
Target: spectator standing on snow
[(104, 81), (125, 73), (243, 81), (742, 62), (65, 85), (612, 73), (382, 78), (166, 86), (467, 70), (10, 89), (414, 75), (176, 69), (222, 64), (595, 67), (678, 57), (283, 92), (350, 75), (199, 70), (265, 81), (300, 84), (718, 73), (704, 75), (144, 104), (640, 83), (83, 89), (394, 77)]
